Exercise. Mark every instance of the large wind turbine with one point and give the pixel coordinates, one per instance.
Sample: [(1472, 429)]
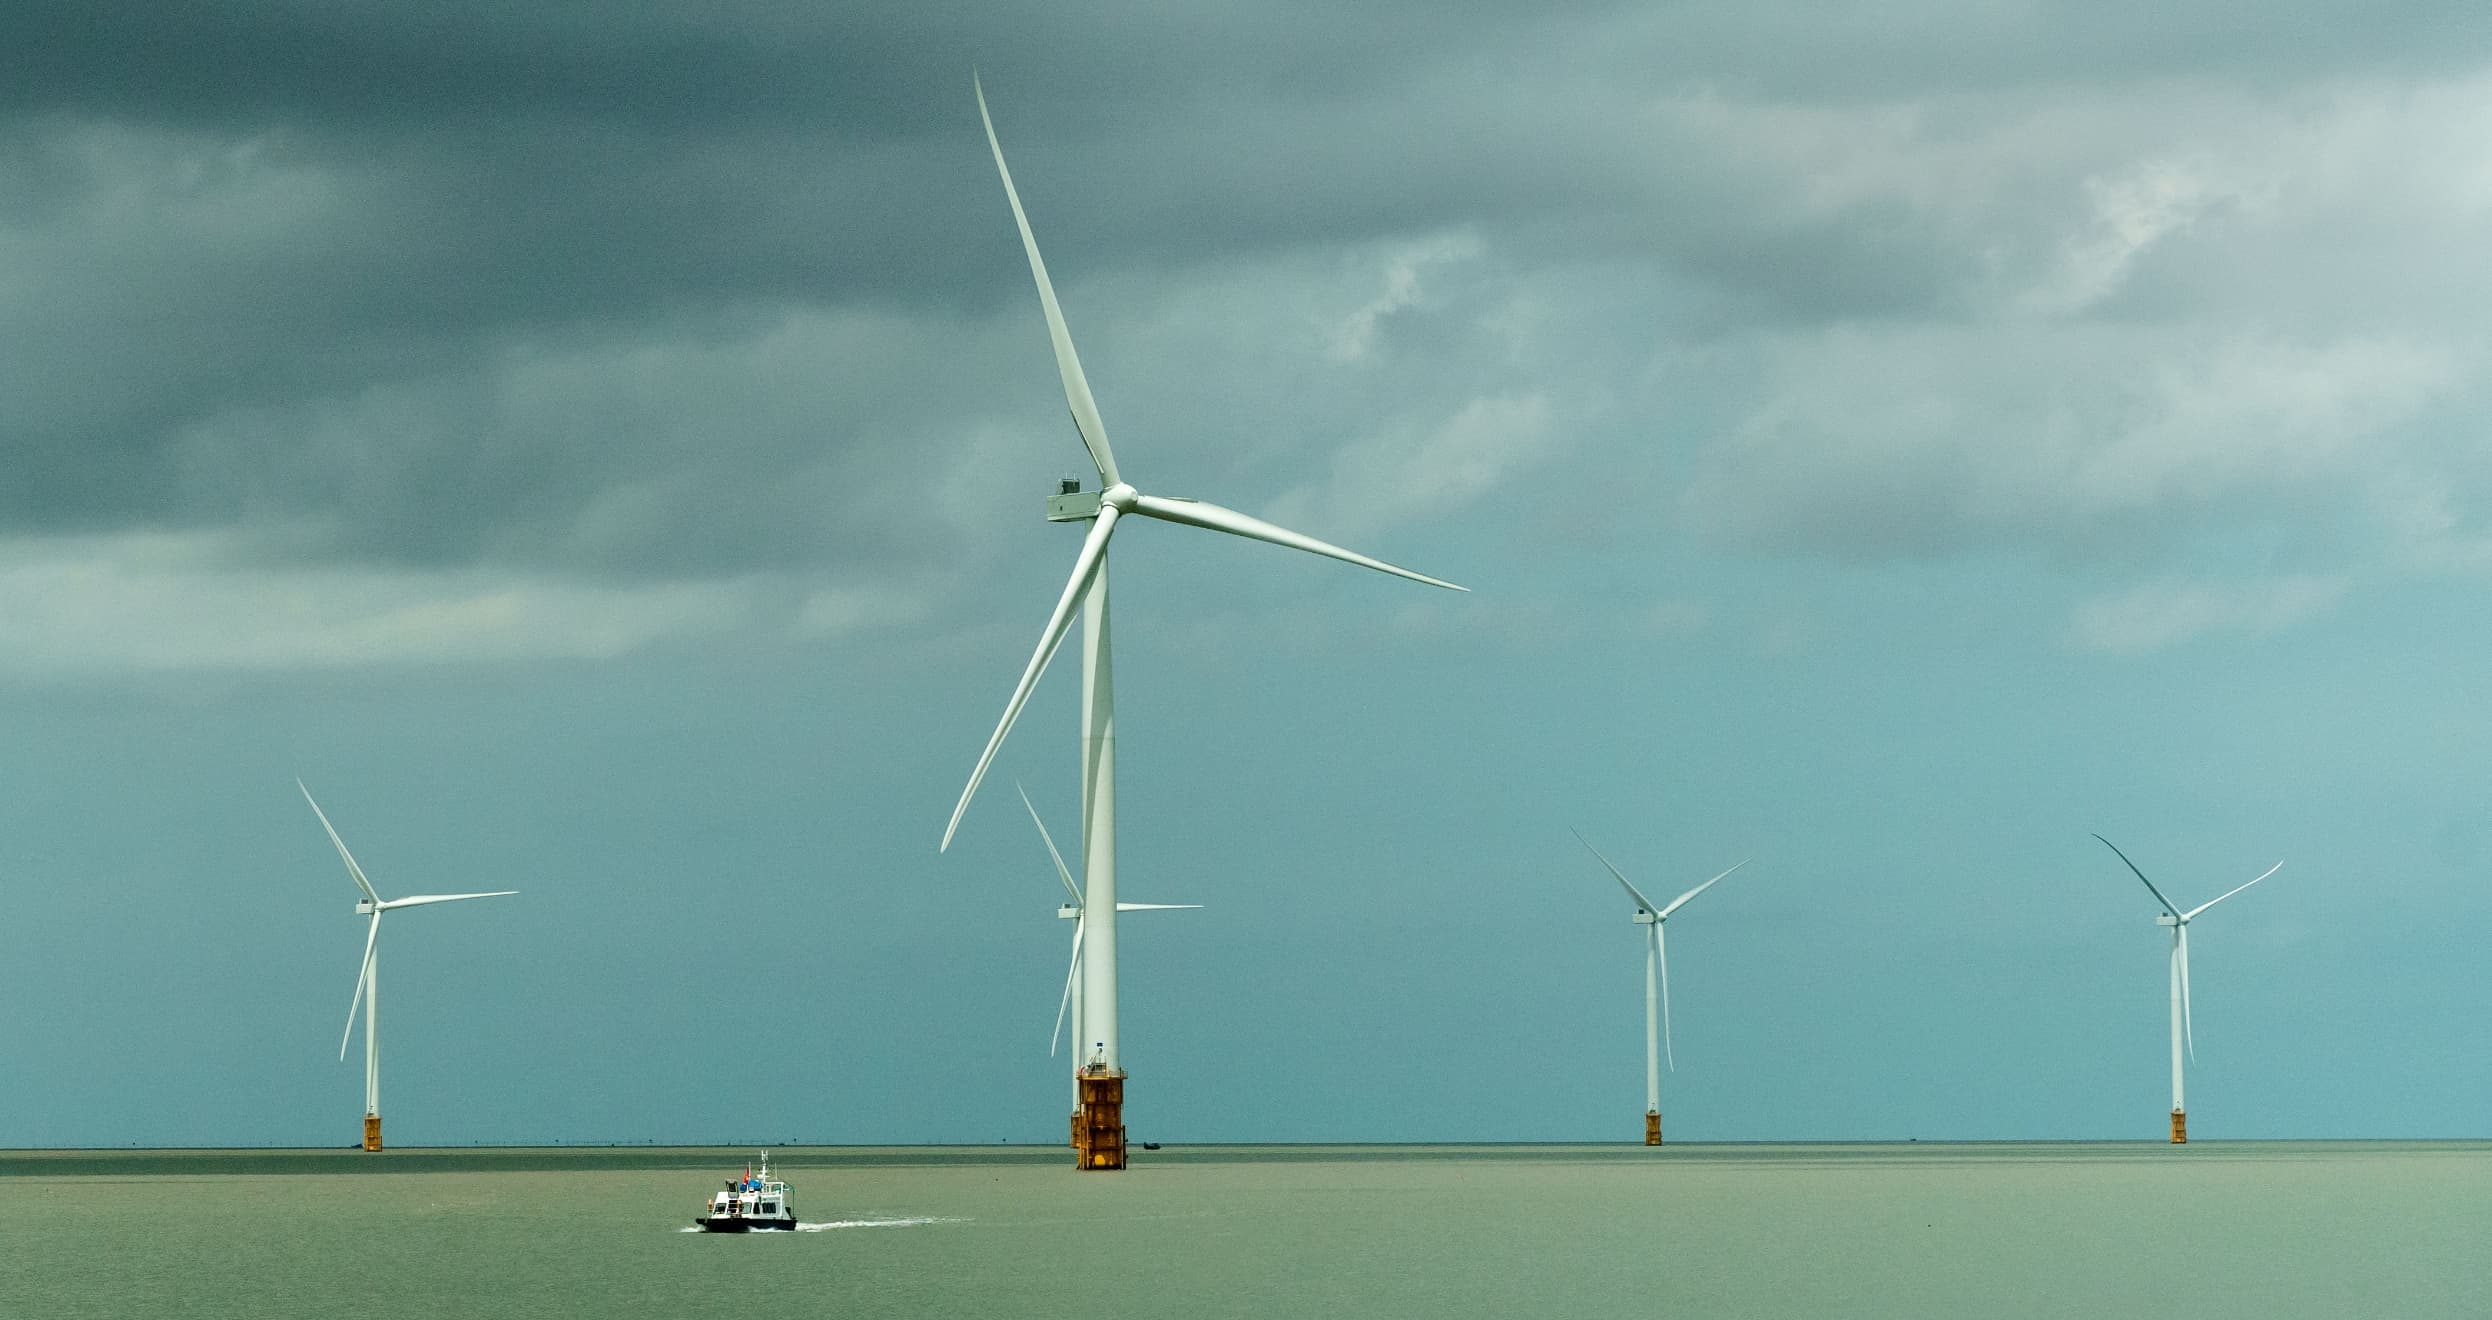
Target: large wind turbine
[(1071, 1001), (1656, 973), (2182, 1036), (1100, 1130), (367, 982)]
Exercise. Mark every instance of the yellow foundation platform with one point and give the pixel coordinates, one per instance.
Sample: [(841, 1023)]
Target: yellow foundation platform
[(1652, 1127), (372, 1132), (2180, 1127), (1099, 1125)]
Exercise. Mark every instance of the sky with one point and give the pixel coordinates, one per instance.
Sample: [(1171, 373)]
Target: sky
[(601, 450)]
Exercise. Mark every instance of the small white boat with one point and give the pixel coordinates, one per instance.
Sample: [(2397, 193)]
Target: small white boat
[(754, 1201)]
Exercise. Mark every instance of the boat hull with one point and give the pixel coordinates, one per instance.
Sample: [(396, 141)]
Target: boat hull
[(743, 1224)]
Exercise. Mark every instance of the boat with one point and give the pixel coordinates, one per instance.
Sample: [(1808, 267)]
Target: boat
[(753, 1202)]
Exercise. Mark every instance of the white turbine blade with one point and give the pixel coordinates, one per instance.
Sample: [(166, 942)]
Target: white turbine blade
[(1061, 872), (1155, 907), (1085, 568), (1640, 900), (2189, 1035), (419, 900), (2230, 892), (1068, 363), (1661, 948), (362, 979), (1681, 900), (1065, 1002), (1195, 513), (2141, 875), (351, 868)]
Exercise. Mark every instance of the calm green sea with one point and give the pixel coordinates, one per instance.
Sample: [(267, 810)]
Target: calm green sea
[(2212, 1229)]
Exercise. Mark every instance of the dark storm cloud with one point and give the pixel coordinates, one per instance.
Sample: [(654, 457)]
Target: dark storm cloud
[(300, 269), (240, 224), (864, 67)]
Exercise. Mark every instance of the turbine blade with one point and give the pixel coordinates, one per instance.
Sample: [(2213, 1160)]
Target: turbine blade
[(1085, 568), (2189, 1034), (1061, 873), (1155, 907), (1640, 900), (1065, 1002), (2230, 892), (1661, 947), (351, 868), (1681, 900), (1068, 363), (362, 979), (2141, 875), (419, 900), (1195, 513)]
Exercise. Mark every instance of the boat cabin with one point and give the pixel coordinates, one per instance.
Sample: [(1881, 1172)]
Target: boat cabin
[(752, 1201)]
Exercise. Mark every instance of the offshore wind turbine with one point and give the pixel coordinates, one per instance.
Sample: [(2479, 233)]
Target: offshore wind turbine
[(1071, 1001), (367, 982), (2183, 1037), (1100, 1130), (1656, 972)]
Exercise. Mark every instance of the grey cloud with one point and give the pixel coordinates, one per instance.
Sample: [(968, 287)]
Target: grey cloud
[(800, 442), (2116, 444), (2251, 321), (474, 284), (2165, 613), (1839, 50)]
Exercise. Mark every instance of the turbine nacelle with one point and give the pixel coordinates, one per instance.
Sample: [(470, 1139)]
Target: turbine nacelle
[(1647, 917), (365, 907), (1073, 504)]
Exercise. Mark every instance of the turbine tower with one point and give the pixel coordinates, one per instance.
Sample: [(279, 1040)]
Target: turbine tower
[(1100, 1127), (1071, 1001), (2183, 1038), (367, 982), (1656, 974)]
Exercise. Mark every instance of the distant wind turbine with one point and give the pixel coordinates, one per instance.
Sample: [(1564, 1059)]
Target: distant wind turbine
[(1656, 972), (367, 982), (1072, 998), (2183, 1036), (1102, 1131)]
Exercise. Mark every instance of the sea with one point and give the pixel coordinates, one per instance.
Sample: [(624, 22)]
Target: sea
[(2211, 1229)]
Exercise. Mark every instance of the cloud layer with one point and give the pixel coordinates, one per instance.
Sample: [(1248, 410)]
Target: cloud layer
[(678, 295)]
